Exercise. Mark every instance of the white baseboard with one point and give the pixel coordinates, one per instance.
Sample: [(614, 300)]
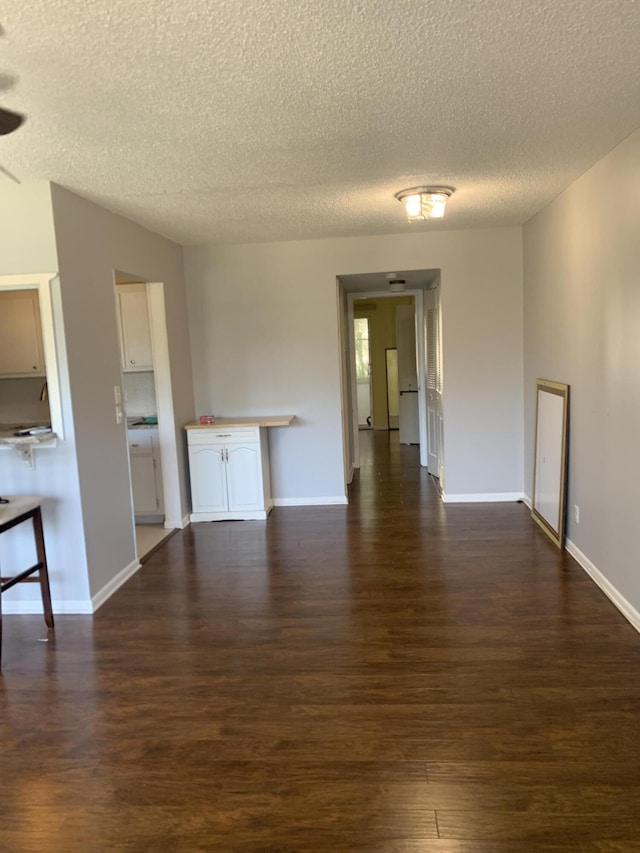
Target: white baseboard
[(176, 523), (34, 608), (74, 607), (351, 473), (114, 584), (526, 500), (488, 497), (241, 515), (626, 608), (339, 500)]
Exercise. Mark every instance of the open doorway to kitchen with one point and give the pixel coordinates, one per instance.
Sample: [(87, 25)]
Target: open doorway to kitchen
[(147, 405)]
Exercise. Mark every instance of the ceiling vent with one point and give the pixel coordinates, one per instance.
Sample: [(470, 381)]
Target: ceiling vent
[(396, 285)]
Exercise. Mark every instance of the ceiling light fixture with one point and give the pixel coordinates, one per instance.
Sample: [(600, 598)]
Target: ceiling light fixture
[(424, 202)]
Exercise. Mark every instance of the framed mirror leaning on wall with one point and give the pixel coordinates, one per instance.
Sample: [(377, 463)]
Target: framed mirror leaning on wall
[(548, 505)]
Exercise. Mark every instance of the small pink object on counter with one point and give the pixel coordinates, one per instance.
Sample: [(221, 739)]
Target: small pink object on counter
[(207, 419)]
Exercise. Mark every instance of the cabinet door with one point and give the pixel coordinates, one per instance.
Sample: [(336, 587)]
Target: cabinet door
[(244, 477), (143, 484), (208, 478), (20, 334), (135, 330)]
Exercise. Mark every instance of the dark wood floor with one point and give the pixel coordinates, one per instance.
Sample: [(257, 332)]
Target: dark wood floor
[(393, 676)]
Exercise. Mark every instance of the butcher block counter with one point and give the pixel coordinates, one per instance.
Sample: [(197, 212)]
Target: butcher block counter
[(265, 421), (229, 467)]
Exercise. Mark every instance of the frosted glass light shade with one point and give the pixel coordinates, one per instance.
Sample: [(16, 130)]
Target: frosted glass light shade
[(424, 202)]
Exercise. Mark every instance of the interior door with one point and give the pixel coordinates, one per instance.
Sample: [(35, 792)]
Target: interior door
[(434, 384), (407, 374)]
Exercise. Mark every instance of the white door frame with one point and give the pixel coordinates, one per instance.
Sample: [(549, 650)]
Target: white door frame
[(164, 401), (418, 294)]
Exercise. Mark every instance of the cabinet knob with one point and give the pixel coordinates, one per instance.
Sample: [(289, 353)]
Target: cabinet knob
[(133, 361), (35, 366)]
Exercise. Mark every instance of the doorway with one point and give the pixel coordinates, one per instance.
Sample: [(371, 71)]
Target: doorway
[(147, 402), (353, 292)]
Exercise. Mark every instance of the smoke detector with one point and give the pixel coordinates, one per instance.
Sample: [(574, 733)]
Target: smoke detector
[(396, 285)]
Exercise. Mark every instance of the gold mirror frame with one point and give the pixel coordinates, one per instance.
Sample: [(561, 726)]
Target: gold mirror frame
[(549, 492)]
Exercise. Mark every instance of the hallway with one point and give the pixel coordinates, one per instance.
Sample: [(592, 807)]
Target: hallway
[(395, 675)]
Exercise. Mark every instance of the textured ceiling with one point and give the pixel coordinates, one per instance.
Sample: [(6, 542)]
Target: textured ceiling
[(252, 120)]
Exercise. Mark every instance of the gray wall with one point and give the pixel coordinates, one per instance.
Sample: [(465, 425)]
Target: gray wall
[(85, 478), (91, 243), (264, 332), (27, 245), (582, 326)]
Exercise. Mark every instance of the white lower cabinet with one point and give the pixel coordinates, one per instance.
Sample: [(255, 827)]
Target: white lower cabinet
[(229, 471), (146, 474)]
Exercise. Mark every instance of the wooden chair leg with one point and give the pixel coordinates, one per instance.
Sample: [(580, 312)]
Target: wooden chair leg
[(43, 574)]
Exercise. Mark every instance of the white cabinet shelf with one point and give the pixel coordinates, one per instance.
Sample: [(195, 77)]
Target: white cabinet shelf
[(229, 468)]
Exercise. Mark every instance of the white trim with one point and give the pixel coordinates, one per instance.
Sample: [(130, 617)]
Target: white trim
[(339, 500), (240, 515), (527, 501), (488, 497), (625, 607), (341, 304), (34, 608), (171, 487), (351, 473), (114, 584), (183, 523)]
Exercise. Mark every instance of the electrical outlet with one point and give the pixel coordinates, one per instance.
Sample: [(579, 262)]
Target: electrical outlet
[(576, 513)]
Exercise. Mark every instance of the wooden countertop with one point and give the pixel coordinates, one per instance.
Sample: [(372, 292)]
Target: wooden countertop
[(257, 421)]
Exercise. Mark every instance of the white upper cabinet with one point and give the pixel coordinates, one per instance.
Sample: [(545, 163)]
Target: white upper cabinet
[(135, 329), (21, 352)]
